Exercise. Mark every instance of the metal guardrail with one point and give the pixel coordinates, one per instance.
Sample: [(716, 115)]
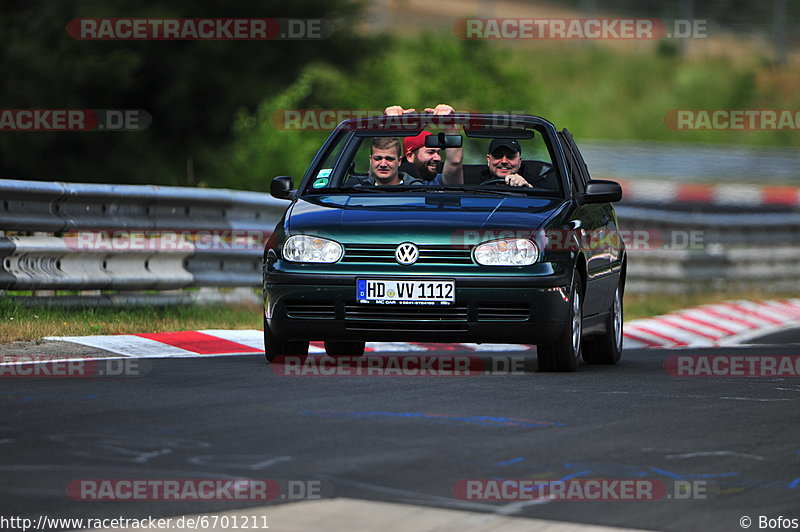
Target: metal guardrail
[(63, 207), (129, 237), (691, 162), (220, 236), (742, 251)]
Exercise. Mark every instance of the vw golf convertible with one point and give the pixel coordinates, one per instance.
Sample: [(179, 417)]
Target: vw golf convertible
[(458, 228)]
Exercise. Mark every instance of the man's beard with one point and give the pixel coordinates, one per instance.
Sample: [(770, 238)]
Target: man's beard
[(426, 173)]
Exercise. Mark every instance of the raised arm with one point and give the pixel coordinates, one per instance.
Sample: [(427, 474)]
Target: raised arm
[(453, 171)]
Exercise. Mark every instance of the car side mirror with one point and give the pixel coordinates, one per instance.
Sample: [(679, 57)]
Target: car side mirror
[(281, 187), (602, 191)]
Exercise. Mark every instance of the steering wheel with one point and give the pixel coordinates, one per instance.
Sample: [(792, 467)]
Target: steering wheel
[(494, 181)]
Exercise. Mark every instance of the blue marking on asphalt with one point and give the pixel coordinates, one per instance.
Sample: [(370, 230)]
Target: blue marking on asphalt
[(685, 476), (578, 474), (609, 470), (509, 462), (794, 484), (477, 420), (91, 396), (667, 473), (28, 399), (715, 475)]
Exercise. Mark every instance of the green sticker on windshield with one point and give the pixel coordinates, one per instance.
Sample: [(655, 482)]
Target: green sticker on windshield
[(321, 182)]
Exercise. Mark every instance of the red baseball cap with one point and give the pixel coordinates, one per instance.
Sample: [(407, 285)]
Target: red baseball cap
[(414, 143)]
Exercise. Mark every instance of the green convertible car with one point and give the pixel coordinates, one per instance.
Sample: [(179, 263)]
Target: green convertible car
[(456, 228)]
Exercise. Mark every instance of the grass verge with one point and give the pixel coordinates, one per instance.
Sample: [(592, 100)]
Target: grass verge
[(21, 323), (648, 305)]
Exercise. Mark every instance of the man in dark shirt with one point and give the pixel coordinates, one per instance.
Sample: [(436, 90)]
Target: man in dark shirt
[(504, 161)]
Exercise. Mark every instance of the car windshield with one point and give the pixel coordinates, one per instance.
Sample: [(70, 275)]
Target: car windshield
[(502, 161)]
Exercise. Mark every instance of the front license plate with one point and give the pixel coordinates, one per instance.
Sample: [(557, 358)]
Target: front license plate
[(399, 292)]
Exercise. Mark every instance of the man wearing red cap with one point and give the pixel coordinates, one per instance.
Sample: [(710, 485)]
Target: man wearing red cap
[(424, 162)]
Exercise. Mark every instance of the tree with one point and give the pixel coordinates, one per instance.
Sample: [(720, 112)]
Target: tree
[(192, 89)]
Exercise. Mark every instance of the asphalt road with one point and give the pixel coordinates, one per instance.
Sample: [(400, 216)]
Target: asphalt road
[(412, 439)]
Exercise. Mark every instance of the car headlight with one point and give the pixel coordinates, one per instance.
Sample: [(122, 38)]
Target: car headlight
[(305, 248), (507, 252)]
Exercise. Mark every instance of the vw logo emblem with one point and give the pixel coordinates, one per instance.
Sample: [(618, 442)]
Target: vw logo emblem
[(406, 253)]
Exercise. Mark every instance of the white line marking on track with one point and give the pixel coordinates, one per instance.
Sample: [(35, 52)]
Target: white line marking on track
[(753, 399), (713, 453)]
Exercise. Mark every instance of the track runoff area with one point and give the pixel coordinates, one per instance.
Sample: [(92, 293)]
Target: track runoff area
[(690, 430)]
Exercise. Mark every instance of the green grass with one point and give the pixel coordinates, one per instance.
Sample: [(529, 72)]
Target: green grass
[(20, 323), (649, 305)]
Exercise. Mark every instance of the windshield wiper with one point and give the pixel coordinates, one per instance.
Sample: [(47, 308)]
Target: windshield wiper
[(366, 188), (457, 188)]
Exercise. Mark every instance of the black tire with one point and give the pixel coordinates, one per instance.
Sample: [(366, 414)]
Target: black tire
[(607, 348), (345, 349), (564, 353), (274, 348)]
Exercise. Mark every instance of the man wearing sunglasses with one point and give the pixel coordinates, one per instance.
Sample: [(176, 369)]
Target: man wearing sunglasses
[(504, 161)]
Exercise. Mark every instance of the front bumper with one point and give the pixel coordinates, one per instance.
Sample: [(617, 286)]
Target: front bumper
[(530, 310)]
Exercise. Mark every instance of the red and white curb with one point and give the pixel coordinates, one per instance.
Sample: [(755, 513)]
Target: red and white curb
[(714, 194), (729, 323), (219, 342)]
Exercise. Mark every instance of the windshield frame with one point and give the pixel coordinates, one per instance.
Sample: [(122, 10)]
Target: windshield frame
[(350, 134)]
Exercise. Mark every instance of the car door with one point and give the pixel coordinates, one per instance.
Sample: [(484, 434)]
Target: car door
[(597, 233)]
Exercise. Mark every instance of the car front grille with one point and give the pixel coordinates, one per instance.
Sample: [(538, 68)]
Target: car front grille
[(384, 254), (406, 326), (408, 314), (311, 309), (397, 313), (504, 311)]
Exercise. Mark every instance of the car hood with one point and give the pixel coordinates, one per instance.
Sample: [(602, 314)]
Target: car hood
[(417, 217)]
